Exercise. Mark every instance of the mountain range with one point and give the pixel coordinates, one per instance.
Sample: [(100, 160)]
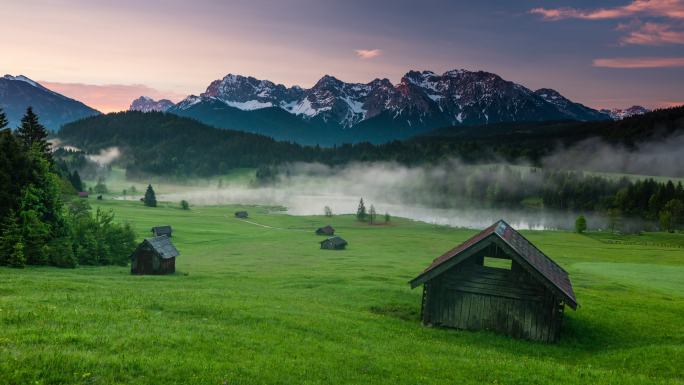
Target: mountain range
[(19, 92), (619, 113), (333, 111)]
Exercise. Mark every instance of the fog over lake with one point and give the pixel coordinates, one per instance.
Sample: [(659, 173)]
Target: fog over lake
[(305, 189)]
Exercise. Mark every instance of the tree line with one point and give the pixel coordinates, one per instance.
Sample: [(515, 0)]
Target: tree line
[(38, 226)]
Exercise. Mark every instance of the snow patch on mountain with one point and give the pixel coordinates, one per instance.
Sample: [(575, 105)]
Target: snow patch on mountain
[(249, 105)]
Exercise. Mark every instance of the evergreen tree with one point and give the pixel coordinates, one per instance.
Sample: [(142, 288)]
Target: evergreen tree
[(76, 181), (361, 211), (3, 119), (372, 214), (33, 134), (184, 205), (581, 224), (17, 257), (387, 218), (10, 236), (150, 199)]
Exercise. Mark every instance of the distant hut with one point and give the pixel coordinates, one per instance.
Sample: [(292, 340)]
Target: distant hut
[(241, 214), (154, 256), (333, 243), (497, 280), (327, 230), (83, 194), (158, 231)]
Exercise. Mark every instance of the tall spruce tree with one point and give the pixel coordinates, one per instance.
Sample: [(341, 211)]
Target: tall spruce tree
[(3, 119), (32, 134), (150, 199), (372, 214), (361, 211)]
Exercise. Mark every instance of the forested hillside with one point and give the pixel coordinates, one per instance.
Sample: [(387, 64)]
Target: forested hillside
[(166, 144), (41, 221)]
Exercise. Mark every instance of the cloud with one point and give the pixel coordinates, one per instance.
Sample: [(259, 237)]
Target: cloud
[(640, 62), (659, 8), (651, 34), (368, 53), (108, 97)]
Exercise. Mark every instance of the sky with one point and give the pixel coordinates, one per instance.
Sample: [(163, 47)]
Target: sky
[(106, 53)]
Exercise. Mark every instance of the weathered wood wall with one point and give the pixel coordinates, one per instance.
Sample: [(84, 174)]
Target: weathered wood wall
[(475, 297)]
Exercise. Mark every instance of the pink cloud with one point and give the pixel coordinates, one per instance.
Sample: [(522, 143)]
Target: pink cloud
[(108, 97), (653, 34), (640, 62), (368, 53), (661, 8)]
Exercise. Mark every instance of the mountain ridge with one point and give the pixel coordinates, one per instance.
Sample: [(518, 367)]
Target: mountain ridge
[(19, 92), (377, 111)]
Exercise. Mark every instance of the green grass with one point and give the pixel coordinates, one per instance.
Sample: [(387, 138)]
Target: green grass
[(256, 305), (116, 182)]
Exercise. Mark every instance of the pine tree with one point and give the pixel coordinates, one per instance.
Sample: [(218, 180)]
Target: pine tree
[(76, 181), (33, 134), (361, 211), (150, 199), (372, 214), (3, 119), (10, 236)]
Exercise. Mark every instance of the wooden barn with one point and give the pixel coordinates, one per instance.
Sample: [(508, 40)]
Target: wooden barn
[(154, 256), (327, 230), (334, 243), (241, 214), (158, 231), (499, 281)]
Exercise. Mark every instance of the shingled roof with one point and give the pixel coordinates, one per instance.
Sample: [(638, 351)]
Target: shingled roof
[(161, 230), (534, 258), (161, 245)]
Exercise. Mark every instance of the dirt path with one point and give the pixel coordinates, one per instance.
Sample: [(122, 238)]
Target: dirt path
[(266, 226)]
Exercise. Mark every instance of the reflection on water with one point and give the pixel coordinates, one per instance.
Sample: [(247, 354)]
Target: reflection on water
[(307, 203)]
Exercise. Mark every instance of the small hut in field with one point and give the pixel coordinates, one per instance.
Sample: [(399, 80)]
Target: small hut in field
[(499, 281), (327, 230), (158, 231), (154, 256), (334, 243), (241, 214)]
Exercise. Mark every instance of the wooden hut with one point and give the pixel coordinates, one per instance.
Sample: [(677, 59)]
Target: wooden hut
[(241, 214), (499, 281), (333, 243), (154, 256), (158, 231), (327, 230)]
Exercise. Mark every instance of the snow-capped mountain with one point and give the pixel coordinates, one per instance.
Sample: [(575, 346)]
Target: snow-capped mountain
[(619, 114), (19, 92), (574, 110), (147, 104), (421, 101)]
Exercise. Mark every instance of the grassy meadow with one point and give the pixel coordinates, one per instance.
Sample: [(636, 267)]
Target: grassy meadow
[(260, 303)]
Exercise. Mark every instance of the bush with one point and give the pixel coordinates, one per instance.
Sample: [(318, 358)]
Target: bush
[(184, 205), (581, 224)]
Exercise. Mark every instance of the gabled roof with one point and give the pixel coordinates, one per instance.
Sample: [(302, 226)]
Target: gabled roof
[(326, 228), (162, 229), (337, 241), (161, 245), (550, 271)]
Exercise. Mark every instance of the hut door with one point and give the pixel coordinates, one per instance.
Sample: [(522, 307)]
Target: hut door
[(146, 264)]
